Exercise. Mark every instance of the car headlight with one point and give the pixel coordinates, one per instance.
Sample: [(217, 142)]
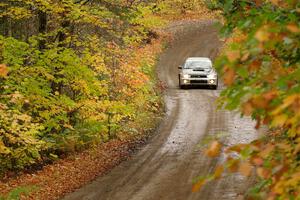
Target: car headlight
[(186, 76), (212, 76)]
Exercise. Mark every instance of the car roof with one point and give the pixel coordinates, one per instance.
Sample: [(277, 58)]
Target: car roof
[(198, 59)]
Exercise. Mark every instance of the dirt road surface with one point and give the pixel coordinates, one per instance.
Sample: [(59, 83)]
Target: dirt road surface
[(166, 167)]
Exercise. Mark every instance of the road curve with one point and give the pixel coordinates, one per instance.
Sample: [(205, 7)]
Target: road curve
[(166, 167)]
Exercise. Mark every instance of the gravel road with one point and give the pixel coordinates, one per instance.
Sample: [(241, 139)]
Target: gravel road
[(166, 167)]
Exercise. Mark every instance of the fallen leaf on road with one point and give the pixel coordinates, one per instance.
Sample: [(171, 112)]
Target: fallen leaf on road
[(214, 150), (245, 168)]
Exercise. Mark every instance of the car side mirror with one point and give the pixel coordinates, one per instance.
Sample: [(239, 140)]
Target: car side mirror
[(180, 67)]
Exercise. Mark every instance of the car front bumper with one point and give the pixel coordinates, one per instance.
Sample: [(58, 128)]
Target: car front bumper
[(199, 81)]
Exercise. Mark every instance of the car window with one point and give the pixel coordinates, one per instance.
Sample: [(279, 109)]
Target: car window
[(197, 64)]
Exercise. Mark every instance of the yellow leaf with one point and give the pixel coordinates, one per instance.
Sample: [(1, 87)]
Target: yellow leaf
[(297, 149), (69, 126), (279, 120), (279, 188), (3, 148), (291, 99), (294, 180), (286, 103), (262, 35), (245, 56)]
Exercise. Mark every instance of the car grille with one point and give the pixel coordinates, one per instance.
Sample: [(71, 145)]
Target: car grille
[(198, 81), (198, 70), (198, 76)]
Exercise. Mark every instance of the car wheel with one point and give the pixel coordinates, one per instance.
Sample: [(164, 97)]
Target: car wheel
[(215, 86), (180, 86), (183, 87)]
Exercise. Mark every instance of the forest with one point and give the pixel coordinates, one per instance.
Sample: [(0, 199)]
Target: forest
[(72, 75), (78, 73)]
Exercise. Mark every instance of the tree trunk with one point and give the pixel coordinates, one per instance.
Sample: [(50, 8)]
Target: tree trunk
[(42, 28)]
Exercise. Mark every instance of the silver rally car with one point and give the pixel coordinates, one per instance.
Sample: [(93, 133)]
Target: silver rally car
[(197, 71)]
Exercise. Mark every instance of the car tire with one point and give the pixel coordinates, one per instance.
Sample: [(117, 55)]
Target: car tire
[(180, 86), (183, 87), (215, 86)]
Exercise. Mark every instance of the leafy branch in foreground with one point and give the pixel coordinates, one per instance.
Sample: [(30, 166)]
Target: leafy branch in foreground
[(261, 67)]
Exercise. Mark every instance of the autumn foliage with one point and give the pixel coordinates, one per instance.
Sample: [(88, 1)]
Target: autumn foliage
[(261, 67), (74, 74)]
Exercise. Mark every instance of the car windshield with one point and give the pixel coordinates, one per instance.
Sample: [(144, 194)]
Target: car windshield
[(197, 64)]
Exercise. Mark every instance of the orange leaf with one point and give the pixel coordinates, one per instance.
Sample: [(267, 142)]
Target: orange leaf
[(263, 173), (265, 153), (236, 148), (229, 76), (198, 185), (257, 161), (262, 35), (214, 150), (293, 28), (233, 55), (245, 168), (3, 70), (255, 65), (270, 95), (258, 2), (259, 102), (233, 165), (247, 109), (276, 2), (283, 146), (219, 171)]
